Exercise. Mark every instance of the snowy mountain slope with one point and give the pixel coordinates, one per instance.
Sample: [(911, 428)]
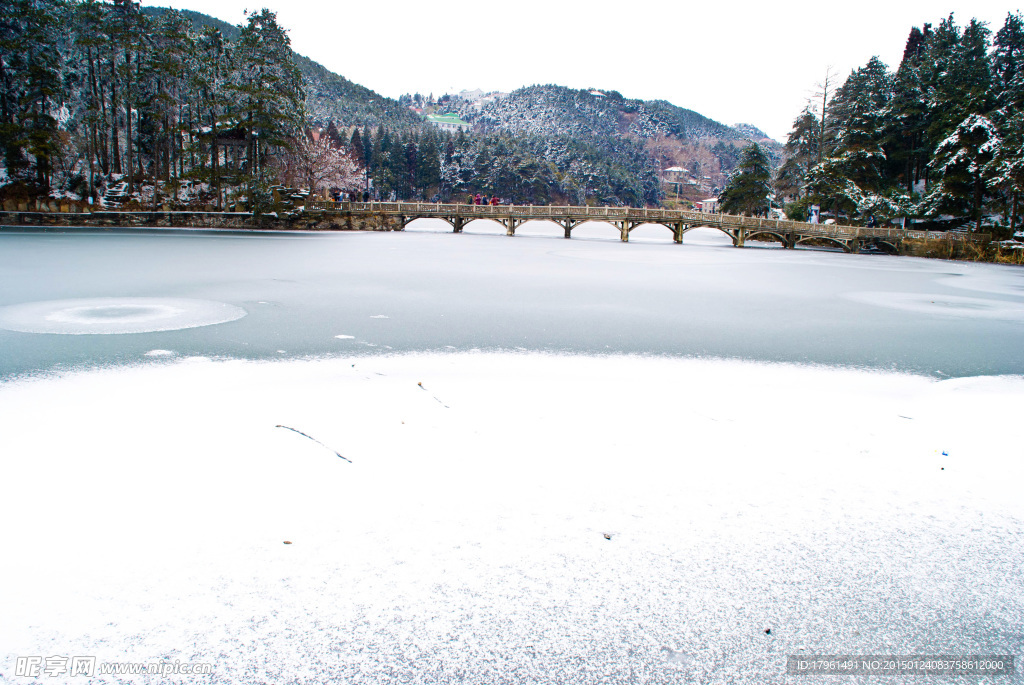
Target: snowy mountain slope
[(672, 136), (584, 130), (752, 132), (552, 109)]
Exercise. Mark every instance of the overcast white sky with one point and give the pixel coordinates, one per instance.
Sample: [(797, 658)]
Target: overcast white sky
[(753, 61)]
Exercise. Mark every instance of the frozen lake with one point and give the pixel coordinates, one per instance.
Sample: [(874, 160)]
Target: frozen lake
[(550, 474), (293, 295)]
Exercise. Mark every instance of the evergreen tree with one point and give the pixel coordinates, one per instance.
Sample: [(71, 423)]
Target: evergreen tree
[(1006, 173), (355, 145), (853, 177), (269, 96), (964, 162), (428, 169), (211, 73), (164, 66), (907, 117), (30, 79), (748, 190), (1008, 64), (958, 79), (367, 140), (1008, 96), (333, 135), (802, 154)]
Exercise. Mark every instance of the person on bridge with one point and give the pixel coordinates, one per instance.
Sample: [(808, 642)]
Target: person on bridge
[(476, 200), (494, 200)]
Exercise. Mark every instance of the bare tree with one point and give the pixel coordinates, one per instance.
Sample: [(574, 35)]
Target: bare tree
[(823, 94)]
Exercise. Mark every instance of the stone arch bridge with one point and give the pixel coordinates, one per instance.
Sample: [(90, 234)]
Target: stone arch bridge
[(397, 215)]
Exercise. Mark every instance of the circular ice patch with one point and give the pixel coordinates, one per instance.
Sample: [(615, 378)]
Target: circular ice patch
[(115, 315), (947, 305)]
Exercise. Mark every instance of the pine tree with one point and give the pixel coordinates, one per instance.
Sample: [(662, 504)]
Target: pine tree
[(1008, 64), (268, 95), (907, 117), (125, 27), (859, 108), (1006, 173), (964, 161), (428, 170), (958, 80), (355, 145), (1007, 178), (802, 154), (367, 146), (30, 79), (333, 135), (163, 66), (748, 190), (852, 176)]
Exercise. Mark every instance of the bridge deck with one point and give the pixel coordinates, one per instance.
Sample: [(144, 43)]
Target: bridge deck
[(627, 218)]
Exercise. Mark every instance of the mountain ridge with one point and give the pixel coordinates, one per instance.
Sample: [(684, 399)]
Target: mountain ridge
[(622, 128)]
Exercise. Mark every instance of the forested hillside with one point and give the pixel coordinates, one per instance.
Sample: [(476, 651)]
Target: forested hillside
[(939, 140), (670, 135), (116, 104), (329, 97), (103, 101), (551, 109)]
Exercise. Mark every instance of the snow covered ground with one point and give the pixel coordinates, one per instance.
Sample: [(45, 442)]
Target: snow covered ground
[(286, 458), (506, 518)]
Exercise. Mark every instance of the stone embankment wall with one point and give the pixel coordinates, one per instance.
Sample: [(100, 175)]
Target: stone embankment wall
[(306, 221)]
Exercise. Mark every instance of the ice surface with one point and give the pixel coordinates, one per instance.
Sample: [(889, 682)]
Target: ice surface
[(944, 305), (626, 510), (591, 294), (115, 315), (468, 542)]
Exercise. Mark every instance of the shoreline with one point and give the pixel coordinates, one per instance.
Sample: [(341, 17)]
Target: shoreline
[(951, 248)]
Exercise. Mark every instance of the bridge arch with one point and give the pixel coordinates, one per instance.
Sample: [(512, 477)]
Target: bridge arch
[(466, 221), (396, 215), (407, 220), (638, 224), (839, 243), (764, 231), (602, 224), (691, 227), (539, 222), (886, 246)]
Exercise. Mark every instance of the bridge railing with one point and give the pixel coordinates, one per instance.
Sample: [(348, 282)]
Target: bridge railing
[(427, 209), (949, 235)]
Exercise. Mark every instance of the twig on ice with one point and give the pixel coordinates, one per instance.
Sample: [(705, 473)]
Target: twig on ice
[(337, 454), (434, 396)]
